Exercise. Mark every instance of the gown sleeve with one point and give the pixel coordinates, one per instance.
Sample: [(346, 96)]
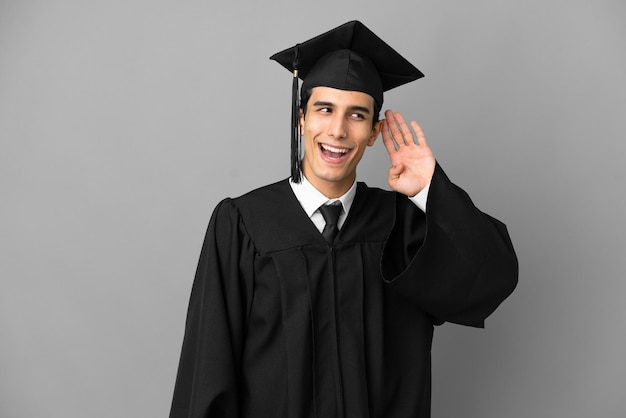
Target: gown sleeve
[(455, 262), (209, 369)]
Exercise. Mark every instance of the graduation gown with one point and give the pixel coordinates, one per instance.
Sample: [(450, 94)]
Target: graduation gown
[(282, 324)]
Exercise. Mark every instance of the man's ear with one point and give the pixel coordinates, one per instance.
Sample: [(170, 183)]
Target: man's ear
[(301, 122), (375, 132)]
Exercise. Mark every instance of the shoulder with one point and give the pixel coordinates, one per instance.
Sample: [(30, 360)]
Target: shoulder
[(264, 193), (372, 214), (263, 200), (254, 200), (375, 198), (272, 217), (257, 201), (374, 192)]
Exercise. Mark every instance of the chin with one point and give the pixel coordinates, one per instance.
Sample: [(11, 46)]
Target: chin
[(333, 176)]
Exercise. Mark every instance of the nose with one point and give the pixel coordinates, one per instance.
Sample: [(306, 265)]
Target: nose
[(336, 127)]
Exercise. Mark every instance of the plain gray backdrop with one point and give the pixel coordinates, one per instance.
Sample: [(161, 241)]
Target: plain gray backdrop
[(123, 123)]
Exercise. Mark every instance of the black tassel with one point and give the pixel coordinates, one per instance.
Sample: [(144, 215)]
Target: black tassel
[(295, 120)]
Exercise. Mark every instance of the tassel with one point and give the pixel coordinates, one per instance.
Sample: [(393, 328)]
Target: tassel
[(295, 120)]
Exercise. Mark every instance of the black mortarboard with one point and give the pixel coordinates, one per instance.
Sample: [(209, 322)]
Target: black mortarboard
[(349, 57)]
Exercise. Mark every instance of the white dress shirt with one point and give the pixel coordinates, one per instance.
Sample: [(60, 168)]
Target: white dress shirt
[(311, 199)]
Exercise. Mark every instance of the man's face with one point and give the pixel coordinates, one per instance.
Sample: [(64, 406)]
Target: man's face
[(337, 128)]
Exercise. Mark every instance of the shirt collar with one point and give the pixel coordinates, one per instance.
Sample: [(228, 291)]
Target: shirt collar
[(311, 199)]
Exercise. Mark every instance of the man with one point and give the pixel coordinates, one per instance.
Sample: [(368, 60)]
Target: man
[(299, 312)]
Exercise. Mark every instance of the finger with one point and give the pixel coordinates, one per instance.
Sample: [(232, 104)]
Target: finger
[(407, 135), (393, 127), (421, 138), (387, 139)]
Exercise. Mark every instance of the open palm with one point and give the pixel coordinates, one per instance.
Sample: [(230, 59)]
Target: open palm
[(412, 163)]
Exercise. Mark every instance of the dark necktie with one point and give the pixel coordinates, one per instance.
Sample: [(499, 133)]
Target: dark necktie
[(331, 216)]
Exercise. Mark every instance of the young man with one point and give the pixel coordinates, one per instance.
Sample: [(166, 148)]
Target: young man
[(317, 296)]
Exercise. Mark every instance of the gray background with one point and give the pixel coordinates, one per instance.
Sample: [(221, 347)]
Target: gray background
[(123, 123)]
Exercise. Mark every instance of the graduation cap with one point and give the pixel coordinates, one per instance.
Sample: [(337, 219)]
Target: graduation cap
[(349, 57)]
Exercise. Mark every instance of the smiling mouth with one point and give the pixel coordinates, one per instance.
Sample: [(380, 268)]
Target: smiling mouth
[(333, 152)]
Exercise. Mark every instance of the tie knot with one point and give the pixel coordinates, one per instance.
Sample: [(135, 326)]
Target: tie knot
[(331, 216), (331, 213)]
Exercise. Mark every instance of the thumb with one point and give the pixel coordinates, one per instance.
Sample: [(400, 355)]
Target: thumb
[(396, 170)]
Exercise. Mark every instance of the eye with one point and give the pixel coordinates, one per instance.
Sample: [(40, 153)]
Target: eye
[(324, 110), (357, 115)]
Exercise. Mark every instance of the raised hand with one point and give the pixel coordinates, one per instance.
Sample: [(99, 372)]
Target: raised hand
[(412, 164)]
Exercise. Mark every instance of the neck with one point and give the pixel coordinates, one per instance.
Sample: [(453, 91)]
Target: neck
[(331, 189)]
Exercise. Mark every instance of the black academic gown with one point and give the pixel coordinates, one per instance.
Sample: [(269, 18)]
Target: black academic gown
[(281, 324)]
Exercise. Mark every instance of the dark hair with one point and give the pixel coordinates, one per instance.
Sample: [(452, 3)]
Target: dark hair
[(305, 95)]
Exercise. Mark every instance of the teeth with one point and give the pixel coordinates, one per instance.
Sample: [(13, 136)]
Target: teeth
[(333, 149)]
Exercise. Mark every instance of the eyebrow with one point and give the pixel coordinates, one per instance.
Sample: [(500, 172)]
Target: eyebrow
[(353, 108)]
